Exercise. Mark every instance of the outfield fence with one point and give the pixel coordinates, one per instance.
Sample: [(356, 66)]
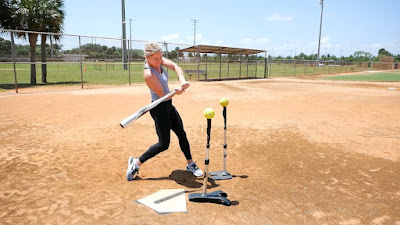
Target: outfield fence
[(72, 60)]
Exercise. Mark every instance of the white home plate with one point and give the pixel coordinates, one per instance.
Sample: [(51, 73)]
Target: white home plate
[(392, 88), (166, 201)]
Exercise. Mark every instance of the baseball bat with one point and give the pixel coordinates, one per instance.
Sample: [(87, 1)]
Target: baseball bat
[(144, 110)]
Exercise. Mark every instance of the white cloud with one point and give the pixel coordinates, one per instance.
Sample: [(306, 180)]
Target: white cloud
[(325, 40), (199, 39), (326, 43), (277, 17)]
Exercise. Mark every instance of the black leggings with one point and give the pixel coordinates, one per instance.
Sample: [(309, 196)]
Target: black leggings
[(167, 118)]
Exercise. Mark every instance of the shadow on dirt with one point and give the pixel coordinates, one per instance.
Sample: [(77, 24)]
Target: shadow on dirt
[(185, 178)]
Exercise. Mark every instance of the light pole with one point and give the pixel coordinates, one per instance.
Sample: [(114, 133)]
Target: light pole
[(321, 2), (194, 33), (124, 55)]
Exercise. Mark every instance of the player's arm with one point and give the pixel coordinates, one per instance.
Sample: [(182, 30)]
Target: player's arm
[(153, 83), (178, 70)]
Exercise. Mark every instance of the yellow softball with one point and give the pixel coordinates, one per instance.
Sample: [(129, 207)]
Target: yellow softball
[(224, 101), (209, 113)]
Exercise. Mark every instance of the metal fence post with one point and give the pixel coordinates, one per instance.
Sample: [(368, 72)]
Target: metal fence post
[(256, 65), (322, 68), (266, 65), (227, 57), (240, 65), (270, 66), (295, 66), (198, 62), (334, 71), (206, 63), (247, 65), (220, 63), (80, 60), (329, 65), (313, 72), (13, 59), (129, 61)]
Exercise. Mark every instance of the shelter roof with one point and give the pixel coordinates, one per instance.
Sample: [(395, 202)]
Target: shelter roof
[(220, 50)]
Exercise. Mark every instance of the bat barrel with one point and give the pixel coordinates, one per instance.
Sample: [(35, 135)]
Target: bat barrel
[(144, 110)]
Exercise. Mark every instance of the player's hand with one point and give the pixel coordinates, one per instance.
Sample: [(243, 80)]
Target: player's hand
[(185, 85), (178, 90)]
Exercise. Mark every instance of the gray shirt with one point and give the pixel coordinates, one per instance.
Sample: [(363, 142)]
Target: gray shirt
[(163, 77)]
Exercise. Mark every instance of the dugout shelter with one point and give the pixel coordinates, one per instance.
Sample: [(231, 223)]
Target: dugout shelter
[(220, 50)]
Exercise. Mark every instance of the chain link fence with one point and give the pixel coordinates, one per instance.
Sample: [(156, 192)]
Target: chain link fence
[(77, 60), (289, 68), (71, 60)]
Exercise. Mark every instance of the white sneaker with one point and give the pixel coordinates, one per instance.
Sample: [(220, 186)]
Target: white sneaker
[(194, 169), (132, 168)]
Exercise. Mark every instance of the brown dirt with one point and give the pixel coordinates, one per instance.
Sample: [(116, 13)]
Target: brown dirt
[(302, 152)]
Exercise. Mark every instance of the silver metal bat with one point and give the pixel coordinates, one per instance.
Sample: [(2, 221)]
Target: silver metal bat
[(144, 110)]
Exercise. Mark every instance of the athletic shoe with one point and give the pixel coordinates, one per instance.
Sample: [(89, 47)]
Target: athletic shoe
[(132, 168), (194, 169)]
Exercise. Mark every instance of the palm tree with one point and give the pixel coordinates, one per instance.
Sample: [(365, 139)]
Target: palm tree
[(32, 15), (27, 13), (6, 14), (52, 21)]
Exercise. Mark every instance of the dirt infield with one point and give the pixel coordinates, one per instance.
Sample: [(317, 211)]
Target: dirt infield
[(302, 152)]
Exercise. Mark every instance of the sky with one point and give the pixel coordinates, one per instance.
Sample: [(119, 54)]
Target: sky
[(282, 28)]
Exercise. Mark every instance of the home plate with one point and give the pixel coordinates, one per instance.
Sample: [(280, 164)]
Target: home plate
[(166, 201)]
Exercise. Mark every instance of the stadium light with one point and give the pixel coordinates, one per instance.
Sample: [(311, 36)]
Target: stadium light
[(321, 2), (194, 25), (341, 55)]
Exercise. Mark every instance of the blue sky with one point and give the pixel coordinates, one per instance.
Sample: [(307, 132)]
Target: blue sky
[(284, 27)]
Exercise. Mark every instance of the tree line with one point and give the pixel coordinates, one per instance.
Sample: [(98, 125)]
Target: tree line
[(358, 56), (102, 52)]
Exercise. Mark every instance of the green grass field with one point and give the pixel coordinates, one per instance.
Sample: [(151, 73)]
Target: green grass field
[(112, 73), (376, 76), (95, 73), (71, 72)]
